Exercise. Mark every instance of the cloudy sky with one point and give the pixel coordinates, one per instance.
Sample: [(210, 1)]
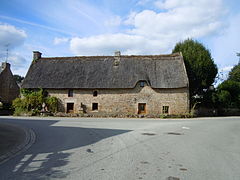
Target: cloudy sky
[(100, 27)]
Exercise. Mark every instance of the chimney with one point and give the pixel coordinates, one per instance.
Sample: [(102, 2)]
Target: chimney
[(36, 55), (117, 53), (5, 65)]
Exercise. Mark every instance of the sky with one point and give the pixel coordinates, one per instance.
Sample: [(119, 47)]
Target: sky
[(101, 27)]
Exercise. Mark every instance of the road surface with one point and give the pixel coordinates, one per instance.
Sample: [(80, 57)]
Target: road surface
[(126, 149)]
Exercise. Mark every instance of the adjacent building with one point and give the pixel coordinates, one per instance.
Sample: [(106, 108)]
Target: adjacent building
[(113, 85), (9, 90)]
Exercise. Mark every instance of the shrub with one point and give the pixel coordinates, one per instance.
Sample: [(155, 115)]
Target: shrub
[(20, 106), (31, 102), (52, 103)]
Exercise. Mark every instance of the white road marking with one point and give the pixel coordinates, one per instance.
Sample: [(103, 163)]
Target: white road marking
[(26, 157)]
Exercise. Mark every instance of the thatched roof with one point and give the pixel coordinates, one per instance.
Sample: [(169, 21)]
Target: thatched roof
[(160, 71)]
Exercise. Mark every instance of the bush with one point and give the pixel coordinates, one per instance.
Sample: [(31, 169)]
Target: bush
[(52, 103), (31, 102), (20, 106)]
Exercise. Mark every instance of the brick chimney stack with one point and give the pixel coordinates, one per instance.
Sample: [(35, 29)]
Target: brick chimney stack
[(117, 53), (5, 65), (36, 55)]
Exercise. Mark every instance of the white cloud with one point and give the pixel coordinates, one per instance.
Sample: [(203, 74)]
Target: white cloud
[(18, 63), (108, 43), (155, 32), (11, 37), (182, 18), (58, 41), (225, 46), (226, 69)]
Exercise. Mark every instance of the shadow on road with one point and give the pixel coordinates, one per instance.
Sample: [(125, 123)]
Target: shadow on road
[(47, 157)]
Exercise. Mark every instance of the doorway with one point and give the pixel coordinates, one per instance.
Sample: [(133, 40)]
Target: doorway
[(70, 107), (141, 108)]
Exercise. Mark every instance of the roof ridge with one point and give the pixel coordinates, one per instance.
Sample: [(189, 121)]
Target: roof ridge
[(127, 56)]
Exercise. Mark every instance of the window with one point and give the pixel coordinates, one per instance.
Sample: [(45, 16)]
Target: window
[(142, 83), (94, 106), (141, 108), (165, 109), (70, 93), (95, 93), (70, 107)]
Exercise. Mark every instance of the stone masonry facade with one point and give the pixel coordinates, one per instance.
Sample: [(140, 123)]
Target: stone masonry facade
[(9, 90), (124, 101)]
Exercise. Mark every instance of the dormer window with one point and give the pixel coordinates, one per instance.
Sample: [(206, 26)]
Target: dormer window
[(142, 83), (95, 93)]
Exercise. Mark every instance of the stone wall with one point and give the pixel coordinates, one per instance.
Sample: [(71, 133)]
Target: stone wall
[(9, 90), (125, 101)]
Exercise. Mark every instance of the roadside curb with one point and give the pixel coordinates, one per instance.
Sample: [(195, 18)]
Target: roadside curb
[(29, 140)]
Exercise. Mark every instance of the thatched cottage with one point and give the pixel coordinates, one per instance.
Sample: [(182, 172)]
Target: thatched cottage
[(9, 89), (113, 85)]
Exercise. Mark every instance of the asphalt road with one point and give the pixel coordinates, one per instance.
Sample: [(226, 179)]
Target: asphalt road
[(126, 149)]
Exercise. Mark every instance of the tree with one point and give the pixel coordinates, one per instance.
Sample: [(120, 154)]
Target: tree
[(228, 93), (18, 78), (234, 74), (200, 66), (224, 98)]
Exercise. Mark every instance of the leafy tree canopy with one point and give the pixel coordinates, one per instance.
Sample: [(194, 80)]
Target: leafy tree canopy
[(200, 66), (228, 94), (234, 74)]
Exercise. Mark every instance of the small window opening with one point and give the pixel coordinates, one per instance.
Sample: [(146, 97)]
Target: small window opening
[(141, 108), (94, 106), (142, 83), (165, 109), (95, 93), (70, 107), (70, 93)]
